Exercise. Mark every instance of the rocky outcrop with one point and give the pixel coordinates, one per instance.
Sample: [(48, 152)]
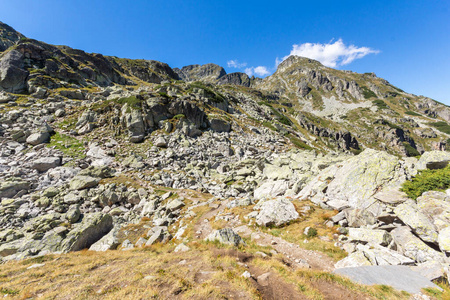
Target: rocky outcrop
[(237, 78), (207, 73), (8, 36)]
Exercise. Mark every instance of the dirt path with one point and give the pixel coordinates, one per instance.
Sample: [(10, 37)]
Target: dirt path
[(296, 256)]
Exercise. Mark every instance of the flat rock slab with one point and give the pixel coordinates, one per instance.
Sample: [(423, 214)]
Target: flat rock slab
[(399, 277)]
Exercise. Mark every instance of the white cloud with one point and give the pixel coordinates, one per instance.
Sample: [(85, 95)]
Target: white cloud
[(260, 71), (331, 54), (235, 64)]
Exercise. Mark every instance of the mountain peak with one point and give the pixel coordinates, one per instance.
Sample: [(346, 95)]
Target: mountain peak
[(8, 36)]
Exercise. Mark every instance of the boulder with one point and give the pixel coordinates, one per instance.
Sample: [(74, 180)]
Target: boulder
[(38, 138), (219, 125), (355, 259), (11, 187), (45, 163), (411, 246), (433, 160), (161, 142), (399, 277), (444, 239), (410, 214), (271, 189), (225, 236), (91, 229), (276, 212), (379, 237), (107, 242), (81, 182)]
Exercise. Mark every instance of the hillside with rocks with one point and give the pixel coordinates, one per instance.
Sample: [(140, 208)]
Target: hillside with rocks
[(256, 188)]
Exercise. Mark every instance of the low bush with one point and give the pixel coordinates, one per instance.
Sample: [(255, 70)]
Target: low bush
[(427, 180), (441, 126)]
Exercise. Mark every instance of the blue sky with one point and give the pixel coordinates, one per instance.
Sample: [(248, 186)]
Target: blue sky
[(405, 42)]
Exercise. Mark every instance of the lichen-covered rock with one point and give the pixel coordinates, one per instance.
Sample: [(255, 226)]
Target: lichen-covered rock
[(276, 212), (355, 259), (357, 179), (271, 189), (410, 214), (444, 239), (411, 246), (433, 160), (91, 228), (38, 138), (81, 182), (11, 187), (380, 237), (107, 242), (225, 236), (436, 206), (45, 163)]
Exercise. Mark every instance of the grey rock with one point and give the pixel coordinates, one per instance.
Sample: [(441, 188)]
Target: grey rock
[(225, 236), (399, 277), (91, 229), (375, 236), (38, 138), (11, 187), (219, 125), (45, 163), (433, 160), (81, 182), (276, 212), (107, 242)]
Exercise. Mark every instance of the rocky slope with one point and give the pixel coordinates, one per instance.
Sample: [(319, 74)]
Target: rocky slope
[(106, 153)]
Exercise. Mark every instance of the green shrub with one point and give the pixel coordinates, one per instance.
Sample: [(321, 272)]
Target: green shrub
[(132, 101), (427, 180), (367, 93), (269, 125), (411, 113), (380, 104), (298, 143), (410, 150), (179, 116), (312, 232), (441, 126)]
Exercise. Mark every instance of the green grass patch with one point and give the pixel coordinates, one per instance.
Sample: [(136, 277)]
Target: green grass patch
[(380, 104), (367, 93), (427, 180), (6, 291), (298, 143), (269, 125), (68, 145), (412, 113), (132, 101), (410, 150), (441, 126)]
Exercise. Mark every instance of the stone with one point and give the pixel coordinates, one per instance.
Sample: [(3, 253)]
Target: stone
[(81, 182), (225, 236), (73, 213), (276, 212), (38, 138), (378, 255), (181, 248), (161, 142), (432, 270), (391, 196), (219, 125), (157, 234), (338, 204), (355, 259), (433, 160), (444, 239), (399, 277), (379, 237), (107, 242), (91, 229), (271, 189), (45, 163), (11, 187), (410, 214), (411, 246), (174, 205), (140, 242)]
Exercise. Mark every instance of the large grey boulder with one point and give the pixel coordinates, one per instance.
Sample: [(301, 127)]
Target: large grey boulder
[(225, 236), (91, 228), (357, 179), (411, 246), (38, 138), (45, 163), (134, 123), (399, 277), (433, 160), (11, 187), (107, 242), (12, 72), (410, 214), (271, 189), (219, 125), (379, 237), (81, 182), (276, 212)]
